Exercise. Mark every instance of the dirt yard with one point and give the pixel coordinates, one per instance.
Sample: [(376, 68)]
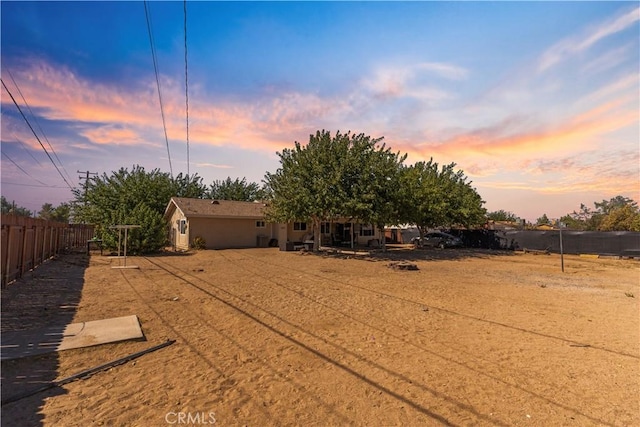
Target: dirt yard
[(270, 338)]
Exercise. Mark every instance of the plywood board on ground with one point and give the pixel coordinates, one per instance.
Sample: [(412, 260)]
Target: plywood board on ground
[(17, 344)]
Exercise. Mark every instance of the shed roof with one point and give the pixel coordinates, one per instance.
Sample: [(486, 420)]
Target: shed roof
[(207, 208)]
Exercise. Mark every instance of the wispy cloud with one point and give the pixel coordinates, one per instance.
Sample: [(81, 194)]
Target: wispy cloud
[(211, 165), (412, 80), (576, 44), (609, 59)]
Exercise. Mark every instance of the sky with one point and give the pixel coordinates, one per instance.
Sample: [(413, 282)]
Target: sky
[(537, 102)]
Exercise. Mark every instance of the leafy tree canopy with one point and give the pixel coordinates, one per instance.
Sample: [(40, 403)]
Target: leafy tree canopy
[(135, 197), (543, 220), (345, 175), (502, 215), (236, 190), (358, 177), (61, 213), (434, 196), (618, 213), (625, 217)]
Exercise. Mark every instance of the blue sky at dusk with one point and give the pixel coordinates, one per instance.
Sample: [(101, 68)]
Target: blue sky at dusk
[(537, 102)]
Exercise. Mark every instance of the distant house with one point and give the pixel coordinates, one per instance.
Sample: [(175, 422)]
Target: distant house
[(404, 234), (503, 225), (221, 223)]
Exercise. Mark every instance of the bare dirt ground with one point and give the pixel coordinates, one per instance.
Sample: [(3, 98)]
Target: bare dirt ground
[(269, 338)]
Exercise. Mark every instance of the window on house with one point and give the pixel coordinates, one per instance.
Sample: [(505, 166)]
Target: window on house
[(300, 226), (325, 228), (366, 230), (260, 224), (182, 226)]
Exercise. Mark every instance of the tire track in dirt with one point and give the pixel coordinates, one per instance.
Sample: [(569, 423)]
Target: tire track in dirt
[(455, 313), (287, 329), (273, 272), (191, 338), (411, 383)]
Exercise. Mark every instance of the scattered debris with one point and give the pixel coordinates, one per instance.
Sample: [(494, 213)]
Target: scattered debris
[(536, 251), (402, 265)]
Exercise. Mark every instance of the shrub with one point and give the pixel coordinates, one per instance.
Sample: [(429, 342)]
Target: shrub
[(199, 243)]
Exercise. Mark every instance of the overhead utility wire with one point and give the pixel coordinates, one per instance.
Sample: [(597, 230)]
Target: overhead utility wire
[(24, 147), (24, 171), (35, 134), (32, 185), (155, 68), (38, 124), (186, 80)]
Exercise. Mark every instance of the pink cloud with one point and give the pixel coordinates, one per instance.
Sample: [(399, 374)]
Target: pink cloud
[(112, 135), (125, 116), (575, 134)]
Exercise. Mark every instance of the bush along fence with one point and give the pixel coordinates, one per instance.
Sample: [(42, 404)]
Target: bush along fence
[(618, 243), (28, 242)]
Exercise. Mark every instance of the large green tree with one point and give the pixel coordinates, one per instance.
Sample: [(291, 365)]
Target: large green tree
[(237, 189), (622, 218), (133, 197), (378, 188), (618, 213), (345, 175), (434, 196)]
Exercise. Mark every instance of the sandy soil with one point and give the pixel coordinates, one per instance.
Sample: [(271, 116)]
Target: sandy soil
[(269, 338)]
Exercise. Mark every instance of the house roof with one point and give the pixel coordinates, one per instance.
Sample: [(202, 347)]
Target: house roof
[(207, 208)]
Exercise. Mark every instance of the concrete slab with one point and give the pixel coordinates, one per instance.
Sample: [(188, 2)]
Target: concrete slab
[(17, 344)]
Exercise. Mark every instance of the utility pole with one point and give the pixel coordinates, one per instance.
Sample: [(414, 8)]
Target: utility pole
[(86, 182)]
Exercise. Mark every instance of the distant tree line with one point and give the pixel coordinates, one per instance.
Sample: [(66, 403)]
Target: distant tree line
[(60, 213), (616, 214)]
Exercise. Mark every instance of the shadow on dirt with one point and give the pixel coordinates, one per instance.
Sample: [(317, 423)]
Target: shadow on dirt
[(46, 297), (411, 253), (169, 253)]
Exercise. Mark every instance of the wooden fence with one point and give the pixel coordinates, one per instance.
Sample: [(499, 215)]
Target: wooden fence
[(28, 242)]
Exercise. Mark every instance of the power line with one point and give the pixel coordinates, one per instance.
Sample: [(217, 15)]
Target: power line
[(155, 68), (37, 123), (31, 185), (24, 171), (186, 80), (25, 148), (35, 134)]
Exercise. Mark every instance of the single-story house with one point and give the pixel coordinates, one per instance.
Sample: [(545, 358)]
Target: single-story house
[(221, 223), (232, 224), (341, 232)]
